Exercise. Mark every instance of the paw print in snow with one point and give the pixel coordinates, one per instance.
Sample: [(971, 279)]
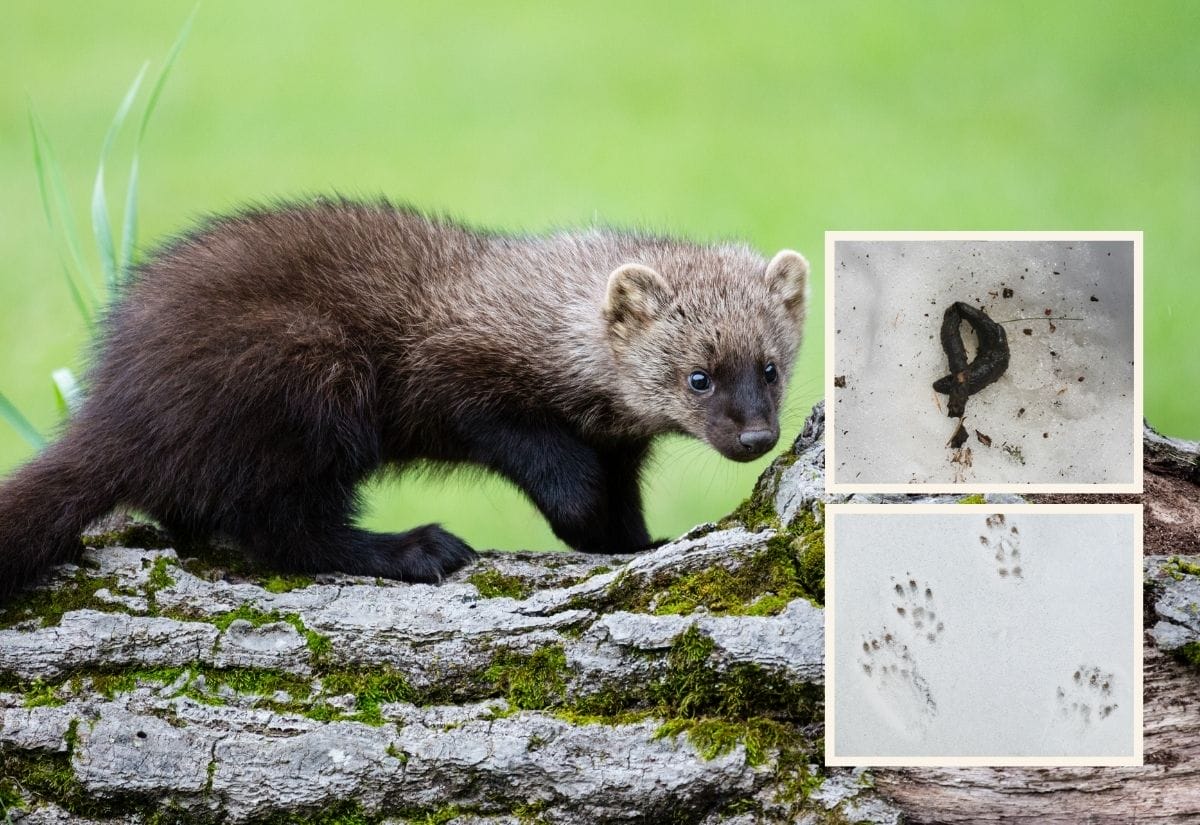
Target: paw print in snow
[(1004, 539), (890, 666), (1087, 697), (914, 603)]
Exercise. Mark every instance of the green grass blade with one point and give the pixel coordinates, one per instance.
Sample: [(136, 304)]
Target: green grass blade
[(66, 391), (129, 222), (54, 198), (77, 297), (100, 225), (20, 423), (129, 227)]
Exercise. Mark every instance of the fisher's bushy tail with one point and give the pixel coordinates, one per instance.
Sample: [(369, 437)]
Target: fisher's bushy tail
[(45, 505)]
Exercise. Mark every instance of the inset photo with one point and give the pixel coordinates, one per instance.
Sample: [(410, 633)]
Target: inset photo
[(983, 634), (984, 362)]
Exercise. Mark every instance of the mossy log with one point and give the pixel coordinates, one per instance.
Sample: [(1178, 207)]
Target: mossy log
[(150, 684), (155, 684)]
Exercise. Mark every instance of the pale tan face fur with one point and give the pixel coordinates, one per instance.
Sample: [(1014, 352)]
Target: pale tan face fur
[(708, 345)]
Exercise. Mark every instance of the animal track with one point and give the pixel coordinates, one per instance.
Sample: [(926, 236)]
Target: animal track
[(1005, 539), (914, 604), (889, 664), (1087, 696)]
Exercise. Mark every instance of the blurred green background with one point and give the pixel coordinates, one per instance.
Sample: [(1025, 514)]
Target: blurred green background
[(765, 121)]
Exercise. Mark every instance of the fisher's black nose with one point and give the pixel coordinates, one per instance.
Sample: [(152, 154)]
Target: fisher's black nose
[(757, 441)]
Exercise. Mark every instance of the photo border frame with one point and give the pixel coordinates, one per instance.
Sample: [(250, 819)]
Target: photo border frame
[(1137, 664), (833, 485)]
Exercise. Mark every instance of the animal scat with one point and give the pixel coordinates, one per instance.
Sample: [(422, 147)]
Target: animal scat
[(959, 438), (991, 359)]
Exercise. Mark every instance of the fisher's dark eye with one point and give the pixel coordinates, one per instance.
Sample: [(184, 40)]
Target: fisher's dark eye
[(699, 381), (770, 373)]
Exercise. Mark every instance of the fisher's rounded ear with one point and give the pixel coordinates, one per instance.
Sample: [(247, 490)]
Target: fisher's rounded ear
[(787, 276), (636, 296)]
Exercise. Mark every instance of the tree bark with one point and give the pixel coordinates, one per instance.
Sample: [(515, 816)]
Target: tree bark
[(682, 684)]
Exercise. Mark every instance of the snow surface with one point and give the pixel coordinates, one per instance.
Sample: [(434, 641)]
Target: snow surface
[(1073, 379), (991, 671)]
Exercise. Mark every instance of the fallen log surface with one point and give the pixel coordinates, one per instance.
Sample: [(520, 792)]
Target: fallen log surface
[(157, 684)]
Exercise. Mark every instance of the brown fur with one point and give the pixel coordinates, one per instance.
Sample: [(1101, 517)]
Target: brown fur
[(256, 370)]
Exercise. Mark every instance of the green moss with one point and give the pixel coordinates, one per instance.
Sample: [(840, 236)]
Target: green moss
[(71, 737), (202, 683), (756, 513), (159, 578), (245, 612), (48, 605), (729, 592), (250, 681), (40, 694), (371, 690), (608, 706), (10, 799), (807, 537), (761, 738), (535, 681), (530, 813), (318, 644), (44, 776), (284, 584), (790, 566), (1177, 568), (743, 703), (692, 688), (1189, 654), (49, 776), (110, 684), (716, 709), (428, 816), (439, 817), (797, 780), (492, 584), (977, 498)]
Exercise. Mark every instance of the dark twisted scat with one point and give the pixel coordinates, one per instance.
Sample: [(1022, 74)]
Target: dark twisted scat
[(991, 360)]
